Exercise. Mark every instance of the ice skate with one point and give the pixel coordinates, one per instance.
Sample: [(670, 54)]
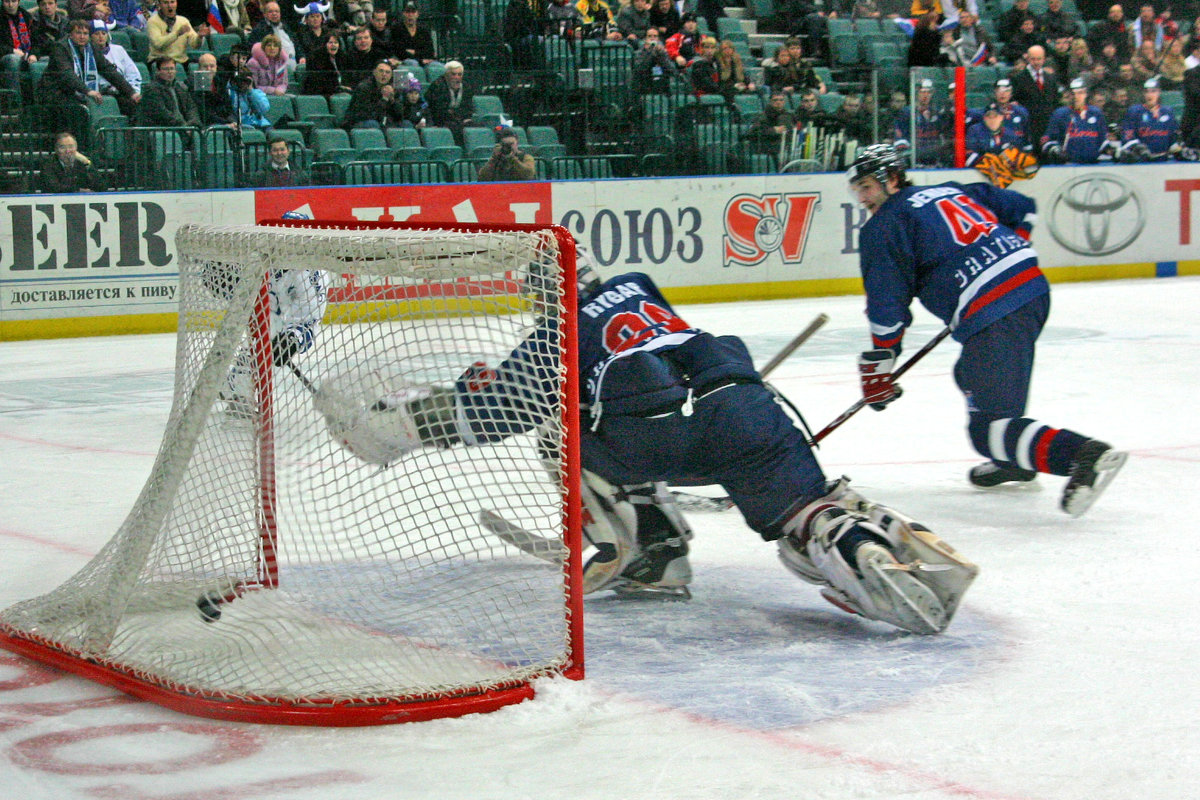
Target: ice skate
[(989, 475), (660, 570), (1095, 465)]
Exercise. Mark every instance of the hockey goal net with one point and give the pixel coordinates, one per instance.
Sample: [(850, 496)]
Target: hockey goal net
[(265, 573)]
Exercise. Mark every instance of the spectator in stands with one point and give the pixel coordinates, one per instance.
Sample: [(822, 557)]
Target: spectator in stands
[(598, 17), (508, 161), (1118, 104), (414, 110), (1144, 64), (206, 62), (808, 111), (808, 75), (68, 170), (666, 18), (1037, 88), (1009, 23), (1016, 116), (381, 33), (273, 23), (70, 81), (766, 132), (1125, 77), (375, 102), (804, 19), (865, 9), (131, 14), (925, 48), (449, 100), (120, 59), (16, 44), (1076, 134), (48, 27), (170, 34), (310, 37), (972, 41), (952, 10), (353, 13), (855, 119), (412, 42), (684, 45), (564, 19), (269, 66), (167, 103), (229, 65), (235, 15), (1080, 59), (731, 72), (789, 77), (245, 106), (703, 70), (1192, 49), (1057, 22), (522, 33), (1146, 28), (1173, 65), (1059, 56), (1015, 48), (326, 72), (989, 136), (652, 67), (362, 56), (633, 20), (279, 170), (1166, 21), (1111, 30)]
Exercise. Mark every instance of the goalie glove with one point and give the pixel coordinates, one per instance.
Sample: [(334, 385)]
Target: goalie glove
[(290, 343), (875, 373), (378, 434)]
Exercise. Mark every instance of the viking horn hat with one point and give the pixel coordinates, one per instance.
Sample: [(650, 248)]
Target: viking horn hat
[(312, 8)]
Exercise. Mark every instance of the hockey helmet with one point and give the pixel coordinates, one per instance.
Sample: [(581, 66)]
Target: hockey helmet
[(877, 161), (295, 215)]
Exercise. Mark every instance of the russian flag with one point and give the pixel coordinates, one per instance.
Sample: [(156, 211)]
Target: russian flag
[(214, 17), (980, 57)]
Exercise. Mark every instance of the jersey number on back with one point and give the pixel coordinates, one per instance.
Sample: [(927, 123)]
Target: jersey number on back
[(631, 328), (966, 219)]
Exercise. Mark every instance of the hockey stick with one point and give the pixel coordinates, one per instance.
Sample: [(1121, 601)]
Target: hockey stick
[(905, 367), (551, 551), (301, 377), (791, 347)]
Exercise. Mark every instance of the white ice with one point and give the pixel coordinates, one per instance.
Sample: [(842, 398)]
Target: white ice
[(1069, 673)]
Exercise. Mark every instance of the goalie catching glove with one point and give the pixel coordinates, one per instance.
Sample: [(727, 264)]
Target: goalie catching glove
[(875, 372), (380, 431)]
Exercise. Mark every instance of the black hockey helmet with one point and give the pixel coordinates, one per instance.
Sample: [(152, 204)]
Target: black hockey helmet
[(877, 161)]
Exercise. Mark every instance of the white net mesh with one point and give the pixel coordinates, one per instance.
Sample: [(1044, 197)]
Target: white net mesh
[(336, 581)]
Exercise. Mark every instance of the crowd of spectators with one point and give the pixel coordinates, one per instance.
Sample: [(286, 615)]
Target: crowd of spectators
[(1070, 89)]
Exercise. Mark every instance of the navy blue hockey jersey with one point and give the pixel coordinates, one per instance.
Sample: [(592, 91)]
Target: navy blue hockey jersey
[(961, 249), (1080, 135), (1156, 128)]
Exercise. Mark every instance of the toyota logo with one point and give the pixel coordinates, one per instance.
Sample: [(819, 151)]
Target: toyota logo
[(1089, 214)]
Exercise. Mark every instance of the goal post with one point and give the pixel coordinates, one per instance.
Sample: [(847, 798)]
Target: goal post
[(267, 573)]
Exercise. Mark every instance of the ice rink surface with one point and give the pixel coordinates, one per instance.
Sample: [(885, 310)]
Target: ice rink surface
[(1069, 673)]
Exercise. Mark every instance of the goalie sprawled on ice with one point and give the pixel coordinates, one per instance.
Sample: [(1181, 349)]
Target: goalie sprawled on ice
[(664, 402)]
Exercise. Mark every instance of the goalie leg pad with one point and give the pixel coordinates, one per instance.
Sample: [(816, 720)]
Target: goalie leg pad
[(609, 526), (661, 566), (938, 565)]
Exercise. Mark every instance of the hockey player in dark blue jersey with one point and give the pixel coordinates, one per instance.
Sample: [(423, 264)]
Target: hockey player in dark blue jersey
[(1077, 134), (1150, 130), (964, 251), (665, 402), (989, 136)]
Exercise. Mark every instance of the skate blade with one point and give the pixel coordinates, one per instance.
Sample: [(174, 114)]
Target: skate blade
[(1106, 467), (631, 590), (925, 617)]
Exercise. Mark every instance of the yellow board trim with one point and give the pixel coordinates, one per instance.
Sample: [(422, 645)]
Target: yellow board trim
[(118, 325)]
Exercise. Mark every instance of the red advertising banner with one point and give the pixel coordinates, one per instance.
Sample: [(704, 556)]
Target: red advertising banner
[(495, 203)]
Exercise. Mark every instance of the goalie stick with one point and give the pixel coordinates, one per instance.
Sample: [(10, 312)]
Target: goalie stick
[(551, 551)]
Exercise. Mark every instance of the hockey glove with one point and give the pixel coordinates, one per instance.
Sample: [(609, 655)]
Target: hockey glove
[(287, 344), (875, 372)]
